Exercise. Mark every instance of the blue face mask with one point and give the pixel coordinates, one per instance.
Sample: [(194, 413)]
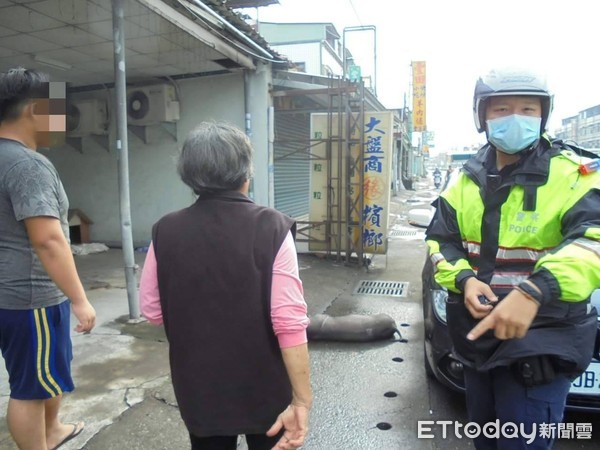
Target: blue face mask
[(514, 133)]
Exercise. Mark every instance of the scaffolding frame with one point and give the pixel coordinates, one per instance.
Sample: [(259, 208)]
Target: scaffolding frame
[(345, 147), (355, 113)]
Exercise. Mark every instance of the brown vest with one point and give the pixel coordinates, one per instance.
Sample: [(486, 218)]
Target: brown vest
[(215, 264)]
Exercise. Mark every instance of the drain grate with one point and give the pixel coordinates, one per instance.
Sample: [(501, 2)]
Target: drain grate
[(386, 288), (403, 233)]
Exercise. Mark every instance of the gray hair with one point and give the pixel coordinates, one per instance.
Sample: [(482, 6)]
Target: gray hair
[(214, 157)]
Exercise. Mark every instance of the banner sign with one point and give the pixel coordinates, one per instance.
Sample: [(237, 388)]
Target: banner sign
[(377, 167), (419, 101)]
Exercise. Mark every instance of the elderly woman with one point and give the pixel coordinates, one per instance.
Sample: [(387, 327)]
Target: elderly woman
[(222, 275)]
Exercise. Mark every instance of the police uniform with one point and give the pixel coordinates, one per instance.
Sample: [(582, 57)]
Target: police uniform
[(537, 220)]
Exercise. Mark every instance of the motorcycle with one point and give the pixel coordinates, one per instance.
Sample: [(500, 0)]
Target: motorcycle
[(437, 180)]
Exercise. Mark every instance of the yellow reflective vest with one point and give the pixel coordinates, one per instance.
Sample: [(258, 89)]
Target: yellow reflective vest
[(538, 219)]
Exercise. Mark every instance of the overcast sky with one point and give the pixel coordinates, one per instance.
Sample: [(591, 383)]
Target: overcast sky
[(460, 39)]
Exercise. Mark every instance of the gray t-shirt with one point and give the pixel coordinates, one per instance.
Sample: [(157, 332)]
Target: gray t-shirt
[(29, 187)]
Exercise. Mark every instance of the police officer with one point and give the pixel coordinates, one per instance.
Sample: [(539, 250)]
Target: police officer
[(516, 242)]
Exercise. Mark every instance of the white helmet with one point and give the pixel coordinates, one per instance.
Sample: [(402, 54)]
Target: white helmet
[(508, 81)]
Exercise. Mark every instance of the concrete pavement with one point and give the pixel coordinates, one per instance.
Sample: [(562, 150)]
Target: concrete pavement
[(121, 370)]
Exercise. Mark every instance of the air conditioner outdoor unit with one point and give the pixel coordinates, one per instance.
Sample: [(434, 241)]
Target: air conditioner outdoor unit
[(152, 104), (86, 117)]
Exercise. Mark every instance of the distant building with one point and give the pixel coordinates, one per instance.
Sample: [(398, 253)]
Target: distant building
[(314, 48), (583, 128)]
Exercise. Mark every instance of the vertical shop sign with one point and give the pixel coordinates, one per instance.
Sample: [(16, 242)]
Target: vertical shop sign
[(419, 100)]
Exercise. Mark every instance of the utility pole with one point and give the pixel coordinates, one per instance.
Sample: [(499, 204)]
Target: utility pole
[(123, 155)]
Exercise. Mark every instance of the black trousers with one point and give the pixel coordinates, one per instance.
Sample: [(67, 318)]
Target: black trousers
[(255, 442)]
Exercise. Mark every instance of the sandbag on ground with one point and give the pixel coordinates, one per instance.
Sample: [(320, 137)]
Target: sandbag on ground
[(351, 328)]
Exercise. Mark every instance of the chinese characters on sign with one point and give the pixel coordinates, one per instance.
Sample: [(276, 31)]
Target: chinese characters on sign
[(376, 183), (419, 102), (376, 166)]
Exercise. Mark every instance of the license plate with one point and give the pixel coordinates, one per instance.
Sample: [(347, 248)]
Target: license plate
[(588, 382)]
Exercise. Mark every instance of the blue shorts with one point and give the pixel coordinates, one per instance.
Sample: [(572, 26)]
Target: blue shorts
[(37, 350)]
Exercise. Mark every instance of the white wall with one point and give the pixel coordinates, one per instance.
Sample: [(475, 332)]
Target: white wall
[(91, 177), (332, 62), (309, 53)]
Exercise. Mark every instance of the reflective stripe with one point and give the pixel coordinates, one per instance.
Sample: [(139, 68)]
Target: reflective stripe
[(588, 244), (43, 352), (473, 248), (510, 254), (436, 258), (508, 279), (520, 254)]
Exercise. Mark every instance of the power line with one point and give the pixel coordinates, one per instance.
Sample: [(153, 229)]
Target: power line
[(355, 11)]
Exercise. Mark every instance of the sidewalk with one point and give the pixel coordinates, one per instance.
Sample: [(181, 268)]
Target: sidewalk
[(121, 370)]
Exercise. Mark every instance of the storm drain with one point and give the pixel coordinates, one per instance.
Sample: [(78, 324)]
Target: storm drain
[(403, 233), (386, 288)]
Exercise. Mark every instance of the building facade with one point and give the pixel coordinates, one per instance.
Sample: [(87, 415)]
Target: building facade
[(313, 48), (172, 57), (583, 128)]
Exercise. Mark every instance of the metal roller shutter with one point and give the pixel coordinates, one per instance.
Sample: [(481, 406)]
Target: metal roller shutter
[(292, 164)]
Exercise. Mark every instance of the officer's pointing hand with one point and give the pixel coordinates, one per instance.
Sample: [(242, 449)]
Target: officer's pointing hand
[(511, 318)]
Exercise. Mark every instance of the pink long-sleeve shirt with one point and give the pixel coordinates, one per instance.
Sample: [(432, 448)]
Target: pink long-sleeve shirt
[(288, 307)]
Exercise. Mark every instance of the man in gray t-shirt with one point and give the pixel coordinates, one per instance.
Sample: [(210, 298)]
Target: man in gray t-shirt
[(29, 187), (39, 285)]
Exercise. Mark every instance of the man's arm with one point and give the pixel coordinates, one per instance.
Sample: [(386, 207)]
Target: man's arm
[(568, 273), (452, 267), (48, 241), (443, 237), (571, 271)]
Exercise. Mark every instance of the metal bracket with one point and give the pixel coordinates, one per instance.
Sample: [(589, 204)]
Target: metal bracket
[(77, 142), (141, 131), (102, 141), (171, 128)]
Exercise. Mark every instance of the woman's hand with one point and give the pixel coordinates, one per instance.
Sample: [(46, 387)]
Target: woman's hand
[(294, 421)]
